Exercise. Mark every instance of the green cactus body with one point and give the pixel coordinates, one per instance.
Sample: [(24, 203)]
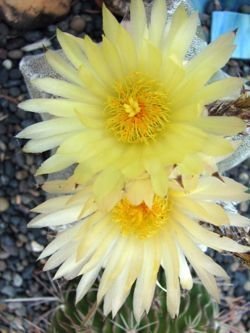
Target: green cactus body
[(197, 315)]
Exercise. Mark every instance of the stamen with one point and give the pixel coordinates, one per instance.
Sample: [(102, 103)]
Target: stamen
[(139, 110), (141, 221)]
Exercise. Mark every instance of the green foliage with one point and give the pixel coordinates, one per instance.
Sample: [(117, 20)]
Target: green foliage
[(197, 315)]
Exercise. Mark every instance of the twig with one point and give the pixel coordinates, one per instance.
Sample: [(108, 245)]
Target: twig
[(9, 98), (31, 299)]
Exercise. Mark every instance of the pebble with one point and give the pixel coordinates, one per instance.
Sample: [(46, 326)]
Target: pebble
[(244, 206), (247, 286), (244, 178), (36, 247), (33, 36), (7, 64), (235, 266), (78, 24), (22, 174), (4, 204), (3, 266), (8, 291), (245, 9), (3, 54), (14, 91), (15, 74), (3, 75), (15, 54), (17, 280)]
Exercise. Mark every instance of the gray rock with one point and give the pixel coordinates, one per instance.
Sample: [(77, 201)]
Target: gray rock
[(8, 291), (4, 204), (2, 266), (78, 23), (17, 281)]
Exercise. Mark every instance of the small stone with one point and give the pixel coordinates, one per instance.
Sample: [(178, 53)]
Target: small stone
[(244, 178), (36, 247), (8, 291), (7, 64), (247, 286), (15, 54), (4, 204), (33, 36), (245, 9), (244, 206), (30, 13), (3, 75), (22, 174), (235, 266), (17, 281), (4, 255), (78, 23), (14, 91), (3, 266), (3, 54)]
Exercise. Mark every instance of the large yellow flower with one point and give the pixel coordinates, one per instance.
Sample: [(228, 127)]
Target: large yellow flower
[(132, 105), (132, 241)]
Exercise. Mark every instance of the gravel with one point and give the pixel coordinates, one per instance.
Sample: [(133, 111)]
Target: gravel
[(20, 273)]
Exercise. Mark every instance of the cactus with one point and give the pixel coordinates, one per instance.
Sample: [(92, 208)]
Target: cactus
[(197, 315)]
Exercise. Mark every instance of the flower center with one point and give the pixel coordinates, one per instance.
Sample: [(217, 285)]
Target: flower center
[(138, 111), (141, 220)]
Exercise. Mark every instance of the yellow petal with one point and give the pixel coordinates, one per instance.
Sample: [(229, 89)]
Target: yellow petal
[(64, 89), (41, 145), (62, 67), (138, 21), (220, 125), (48, 128), (71, 48), (157, 21), (55, 163)]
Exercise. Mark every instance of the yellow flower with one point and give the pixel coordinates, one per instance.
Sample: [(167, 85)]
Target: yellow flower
[(131, 242), (132, 105)]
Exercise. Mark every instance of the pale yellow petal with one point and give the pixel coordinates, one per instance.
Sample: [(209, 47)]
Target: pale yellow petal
[(157, 21), (71, 48), (86, 283), (208, 281), (60, 217), (171, 267), (41, 145), (107, 181), (58, 257), (227, 190), (211, 59), (138, 21), (207, 237), (60, 241), (111, 26), (238, 220), (194, 254), (114, 267), (220, 125), (45, 129), (183, 38), (64, 89), (217, 146), (59, 107), (52, 205), (62, 67), (55, 163), (179, 17), (146, 281), (185, 275), (223, 88)]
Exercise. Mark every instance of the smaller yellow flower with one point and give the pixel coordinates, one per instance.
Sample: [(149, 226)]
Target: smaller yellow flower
[(137, 235)]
